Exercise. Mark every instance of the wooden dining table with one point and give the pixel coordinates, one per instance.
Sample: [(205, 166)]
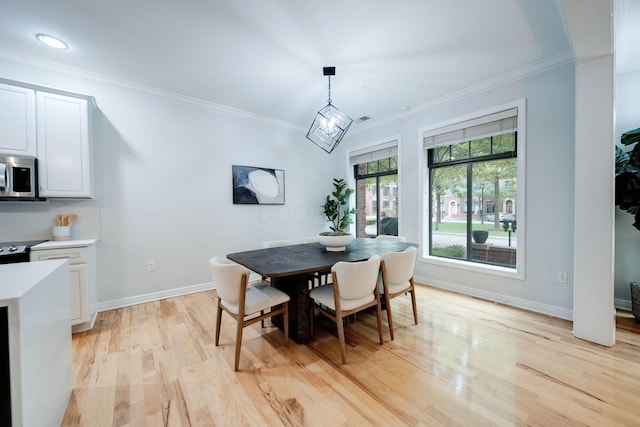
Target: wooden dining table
[(289, 269)]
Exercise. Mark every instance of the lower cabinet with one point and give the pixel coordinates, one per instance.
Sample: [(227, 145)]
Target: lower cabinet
[(79, 277)]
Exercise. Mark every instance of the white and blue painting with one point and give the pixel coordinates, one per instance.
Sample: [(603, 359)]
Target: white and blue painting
[(257, 186)]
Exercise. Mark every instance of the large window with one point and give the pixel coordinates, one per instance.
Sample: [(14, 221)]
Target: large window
[(376, 177), (473, 190)]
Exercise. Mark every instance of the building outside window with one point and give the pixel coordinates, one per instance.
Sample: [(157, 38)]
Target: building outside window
[(375, 179), (377, 197)]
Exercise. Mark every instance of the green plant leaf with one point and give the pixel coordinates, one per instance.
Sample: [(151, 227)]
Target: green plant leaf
[(336, 207), (630, 137)]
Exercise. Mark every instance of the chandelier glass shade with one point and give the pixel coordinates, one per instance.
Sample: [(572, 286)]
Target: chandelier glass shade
[(330, 123)]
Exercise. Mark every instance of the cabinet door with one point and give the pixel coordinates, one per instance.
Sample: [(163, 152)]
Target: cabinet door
[(78, 278), (63, 146), (79, 298), (17, 121)]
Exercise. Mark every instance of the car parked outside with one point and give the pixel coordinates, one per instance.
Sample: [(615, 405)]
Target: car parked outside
[(502, 217)]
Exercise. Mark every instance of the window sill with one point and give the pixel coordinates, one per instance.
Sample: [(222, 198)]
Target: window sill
[(494, 270)]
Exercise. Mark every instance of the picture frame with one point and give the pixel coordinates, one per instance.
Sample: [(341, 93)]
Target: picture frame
[(257, 185)]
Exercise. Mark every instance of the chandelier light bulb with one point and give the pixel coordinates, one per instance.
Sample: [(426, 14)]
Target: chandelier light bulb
[(330, 124)]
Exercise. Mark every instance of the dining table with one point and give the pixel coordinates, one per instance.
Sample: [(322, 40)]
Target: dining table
[(289, 268)]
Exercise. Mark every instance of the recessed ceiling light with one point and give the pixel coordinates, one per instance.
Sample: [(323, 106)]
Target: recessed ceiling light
[(52, 41)]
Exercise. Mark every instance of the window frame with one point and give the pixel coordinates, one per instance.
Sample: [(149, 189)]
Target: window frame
[(425, 185), (380, 197), (391, 145)]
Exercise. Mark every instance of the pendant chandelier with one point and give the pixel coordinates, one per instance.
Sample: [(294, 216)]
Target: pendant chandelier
[(330, 123)]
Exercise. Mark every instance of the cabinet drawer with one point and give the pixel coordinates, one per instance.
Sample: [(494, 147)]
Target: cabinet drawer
[(75, 255)]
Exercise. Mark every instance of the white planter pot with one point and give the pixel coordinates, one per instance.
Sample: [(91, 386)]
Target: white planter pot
[(335, 243)]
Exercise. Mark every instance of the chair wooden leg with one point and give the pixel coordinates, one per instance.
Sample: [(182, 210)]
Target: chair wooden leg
[(341, 339), (387, 302), (379, 315), (285, 317), (218, 320), (311, 314), (239, 329), (415, 305)]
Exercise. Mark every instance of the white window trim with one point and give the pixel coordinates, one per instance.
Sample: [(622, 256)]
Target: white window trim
[(424, 185), (372, 147)]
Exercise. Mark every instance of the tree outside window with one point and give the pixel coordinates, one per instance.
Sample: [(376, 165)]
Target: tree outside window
[(480, 173)]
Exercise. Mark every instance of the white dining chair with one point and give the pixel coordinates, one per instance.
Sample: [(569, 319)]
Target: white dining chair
[(354, 288), (246, 305), (397, 279), (394, 238)]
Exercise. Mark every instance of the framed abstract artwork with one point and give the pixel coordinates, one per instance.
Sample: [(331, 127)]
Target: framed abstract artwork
[(257, 186)]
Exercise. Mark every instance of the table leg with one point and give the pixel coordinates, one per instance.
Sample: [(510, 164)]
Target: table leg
[(297, 287)]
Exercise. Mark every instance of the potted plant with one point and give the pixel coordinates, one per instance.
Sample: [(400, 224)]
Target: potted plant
[(480, 236), (339, 215), (628, 194)]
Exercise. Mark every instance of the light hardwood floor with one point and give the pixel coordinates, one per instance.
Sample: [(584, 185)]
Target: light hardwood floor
[(468, 363)]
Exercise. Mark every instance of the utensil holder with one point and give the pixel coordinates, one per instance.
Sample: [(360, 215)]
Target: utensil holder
[(61, 232)]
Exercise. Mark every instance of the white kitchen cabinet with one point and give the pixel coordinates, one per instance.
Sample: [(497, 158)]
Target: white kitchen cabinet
[(63, 146), (79, 276), (17, 121)]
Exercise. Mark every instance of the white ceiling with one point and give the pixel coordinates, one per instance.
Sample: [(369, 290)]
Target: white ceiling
[(266, 56)]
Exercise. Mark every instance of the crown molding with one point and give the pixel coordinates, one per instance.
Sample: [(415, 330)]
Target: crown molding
[(512, 76), (520, 73), (126, 84)]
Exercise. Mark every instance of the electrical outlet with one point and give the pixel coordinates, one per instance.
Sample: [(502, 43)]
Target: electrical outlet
[(151, 266), (562, 277)]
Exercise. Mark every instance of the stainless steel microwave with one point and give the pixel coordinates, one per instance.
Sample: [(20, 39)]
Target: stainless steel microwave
[(18, 178)]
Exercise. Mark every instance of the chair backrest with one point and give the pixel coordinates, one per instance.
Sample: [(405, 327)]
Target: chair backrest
[(227, 278), (277, 243), (357, 279), (395, 238), (309, 239), (399, 265)]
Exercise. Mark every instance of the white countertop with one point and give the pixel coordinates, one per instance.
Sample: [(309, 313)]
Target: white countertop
[(55, 244), (37, 295), (17, 279)]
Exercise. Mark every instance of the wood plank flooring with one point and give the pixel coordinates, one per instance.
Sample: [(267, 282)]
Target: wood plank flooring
[(468, 363)]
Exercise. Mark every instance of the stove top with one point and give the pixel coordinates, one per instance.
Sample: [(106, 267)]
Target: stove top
[(12, 249), (11, 252)]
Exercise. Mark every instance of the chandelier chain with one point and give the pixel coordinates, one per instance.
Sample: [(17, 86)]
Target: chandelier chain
[(329, 99)]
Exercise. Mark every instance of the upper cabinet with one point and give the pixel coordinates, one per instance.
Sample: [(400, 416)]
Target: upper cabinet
[(54, 127), (17, 121), (63, 146)]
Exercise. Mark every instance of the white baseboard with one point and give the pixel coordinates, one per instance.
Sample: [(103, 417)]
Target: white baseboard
[(622, 304), (86, 326), (155, 296), (550, 310)]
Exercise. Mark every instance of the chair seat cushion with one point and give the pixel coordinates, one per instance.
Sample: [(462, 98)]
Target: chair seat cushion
[(395, 287), (324, 295), (259, 297)]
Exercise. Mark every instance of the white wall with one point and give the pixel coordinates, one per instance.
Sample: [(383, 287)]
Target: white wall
[(163, 185), (594, 314), (627, 247), (549, 188)]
